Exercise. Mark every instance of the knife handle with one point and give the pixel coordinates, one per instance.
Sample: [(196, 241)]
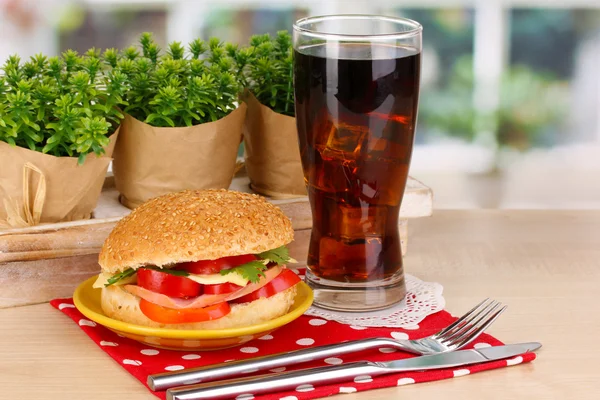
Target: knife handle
[(231, 369), (292, 380)]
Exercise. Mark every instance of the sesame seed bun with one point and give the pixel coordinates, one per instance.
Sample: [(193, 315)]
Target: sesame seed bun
[(194, 225), (119, 304)]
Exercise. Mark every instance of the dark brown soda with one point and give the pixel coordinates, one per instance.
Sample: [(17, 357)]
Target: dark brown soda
[(356, 110)]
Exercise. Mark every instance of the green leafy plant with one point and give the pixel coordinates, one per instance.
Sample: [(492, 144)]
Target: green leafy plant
[(178, 88), (270, 73), (63, 106)]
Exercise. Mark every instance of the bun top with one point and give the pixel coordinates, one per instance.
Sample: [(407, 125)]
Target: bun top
[(194, 225)]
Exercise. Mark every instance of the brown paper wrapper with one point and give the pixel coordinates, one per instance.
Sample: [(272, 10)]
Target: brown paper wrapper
[(151, 161), (272, 153), (68, 191)]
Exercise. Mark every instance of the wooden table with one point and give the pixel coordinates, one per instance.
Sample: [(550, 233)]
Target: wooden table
[(544, 264)]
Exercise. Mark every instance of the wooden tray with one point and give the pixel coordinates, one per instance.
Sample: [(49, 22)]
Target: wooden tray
[(44, 262)]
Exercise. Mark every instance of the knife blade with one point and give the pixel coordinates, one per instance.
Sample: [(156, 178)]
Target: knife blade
[(344, 372), (459, 358)]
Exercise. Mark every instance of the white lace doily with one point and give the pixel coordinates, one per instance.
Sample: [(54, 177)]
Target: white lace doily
[(422, 299)]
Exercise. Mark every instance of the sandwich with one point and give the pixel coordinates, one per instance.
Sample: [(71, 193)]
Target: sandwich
[(201, 259)]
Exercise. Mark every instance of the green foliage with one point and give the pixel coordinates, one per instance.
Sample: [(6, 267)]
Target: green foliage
[(64, 106), (252, 270), (280, 255), (179, 88), (121, 275), (269, 69), (450, 111), (68, 105), (530, 104)]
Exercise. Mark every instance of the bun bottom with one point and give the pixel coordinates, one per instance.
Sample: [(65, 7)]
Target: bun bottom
[(119, 304)]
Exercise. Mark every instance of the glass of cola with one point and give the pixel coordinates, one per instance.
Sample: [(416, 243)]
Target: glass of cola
[(356, 80)]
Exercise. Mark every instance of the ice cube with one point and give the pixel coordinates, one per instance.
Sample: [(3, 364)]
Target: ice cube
[(345, 141), (332, 176), (339, 148)]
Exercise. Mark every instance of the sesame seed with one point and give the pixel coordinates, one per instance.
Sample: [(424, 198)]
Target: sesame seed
[(216, 223)]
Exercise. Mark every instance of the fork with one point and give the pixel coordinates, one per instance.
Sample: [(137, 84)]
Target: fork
[(454, 337)]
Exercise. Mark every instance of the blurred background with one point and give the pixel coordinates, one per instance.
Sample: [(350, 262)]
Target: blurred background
[(510, 108)]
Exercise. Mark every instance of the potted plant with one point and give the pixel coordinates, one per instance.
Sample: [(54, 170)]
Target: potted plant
[(532, 105), (272, 155), (183, 126), (54, 112)]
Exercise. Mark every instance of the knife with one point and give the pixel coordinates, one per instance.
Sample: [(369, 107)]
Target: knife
[(341, 373)]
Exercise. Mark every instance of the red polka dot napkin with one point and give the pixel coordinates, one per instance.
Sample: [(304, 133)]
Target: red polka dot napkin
[(141, 360)]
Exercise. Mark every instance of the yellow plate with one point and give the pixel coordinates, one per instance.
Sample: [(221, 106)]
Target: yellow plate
[(87, 301)]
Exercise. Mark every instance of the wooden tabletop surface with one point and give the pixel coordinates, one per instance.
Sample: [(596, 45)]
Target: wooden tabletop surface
[(544, 264)]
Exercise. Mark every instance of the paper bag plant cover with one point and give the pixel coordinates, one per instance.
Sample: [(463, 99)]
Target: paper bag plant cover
[(272, 156), (151, 161), (68, 192)]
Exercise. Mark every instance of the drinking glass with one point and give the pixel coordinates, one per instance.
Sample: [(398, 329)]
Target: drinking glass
[(356, 80)]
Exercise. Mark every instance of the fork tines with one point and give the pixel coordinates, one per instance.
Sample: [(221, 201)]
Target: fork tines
[(469, 326)]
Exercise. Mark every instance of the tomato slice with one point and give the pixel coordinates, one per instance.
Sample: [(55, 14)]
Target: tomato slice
[(167, 284), (171, 316), (221, 288), (281, 282), (207, 267)]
